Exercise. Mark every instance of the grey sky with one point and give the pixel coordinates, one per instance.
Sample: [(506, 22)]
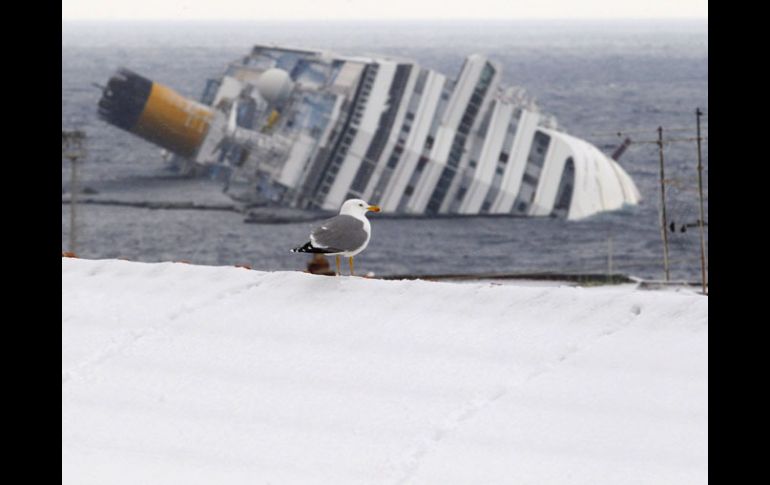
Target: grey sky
[(379, 9)]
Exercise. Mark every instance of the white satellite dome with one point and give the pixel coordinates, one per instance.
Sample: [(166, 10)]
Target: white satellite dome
[(274, 85)]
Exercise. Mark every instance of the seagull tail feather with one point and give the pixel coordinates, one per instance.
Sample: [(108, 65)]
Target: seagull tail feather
[(309, 248)]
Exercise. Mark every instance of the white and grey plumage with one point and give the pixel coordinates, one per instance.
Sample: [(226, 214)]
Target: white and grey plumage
[(346, 234)]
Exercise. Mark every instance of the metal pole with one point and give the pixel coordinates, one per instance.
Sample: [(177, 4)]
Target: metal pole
[(701, 222), (609, 259), (72, 150), (663, 222), (73, 202)]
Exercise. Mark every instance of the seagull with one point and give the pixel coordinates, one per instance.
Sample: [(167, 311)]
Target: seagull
[(346, 234)]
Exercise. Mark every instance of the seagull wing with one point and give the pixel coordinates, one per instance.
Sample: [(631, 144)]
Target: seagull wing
[(340, 233)]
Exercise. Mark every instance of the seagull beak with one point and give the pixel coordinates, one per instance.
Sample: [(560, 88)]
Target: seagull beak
[(373, 208)]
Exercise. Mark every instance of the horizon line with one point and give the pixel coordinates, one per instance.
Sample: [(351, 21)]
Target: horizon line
[(380, 19)]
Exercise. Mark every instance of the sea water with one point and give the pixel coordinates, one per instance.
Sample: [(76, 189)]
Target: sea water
[(595, 77)]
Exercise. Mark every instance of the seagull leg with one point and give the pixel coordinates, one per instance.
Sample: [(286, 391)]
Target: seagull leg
[(338, 265), (351, 266)]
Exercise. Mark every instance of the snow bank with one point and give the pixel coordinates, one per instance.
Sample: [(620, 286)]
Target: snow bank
[(173, 373)]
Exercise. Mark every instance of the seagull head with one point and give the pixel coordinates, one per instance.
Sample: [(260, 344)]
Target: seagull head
[(357, 208)]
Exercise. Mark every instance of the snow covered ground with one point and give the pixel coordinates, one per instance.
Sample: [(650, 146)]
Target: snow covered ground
[(174, 373)]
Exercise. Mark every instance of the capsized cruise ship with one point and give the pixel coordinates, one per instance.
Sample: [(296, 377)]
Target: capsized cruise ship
[(309, 129)]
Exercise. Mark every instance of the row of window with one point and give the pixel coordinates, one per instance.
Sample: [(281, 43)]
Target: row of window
[(458, 144), (531, 177), (406, 127), (564, 192), (502, 161), (427, 147), (477, 145), (377, 145), (365, 89)]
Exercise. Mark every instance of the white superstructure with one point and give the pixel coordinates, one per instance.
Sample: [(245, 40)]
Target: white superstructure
[(310, 129)]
